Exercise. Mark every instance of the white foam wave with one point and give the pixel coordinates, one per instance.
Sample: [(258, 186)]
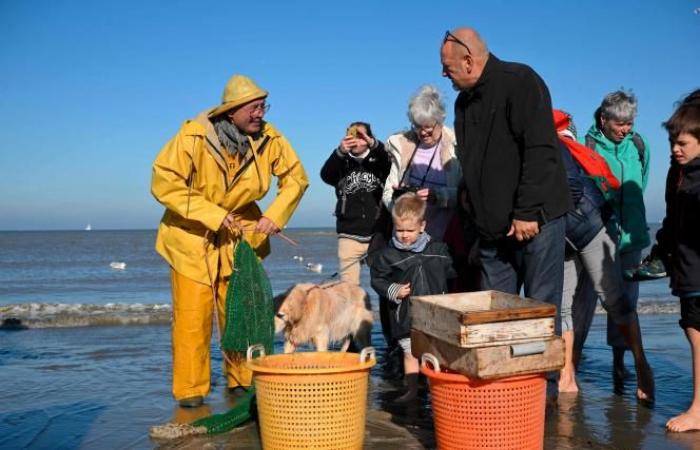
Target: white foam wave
[(49, 315)]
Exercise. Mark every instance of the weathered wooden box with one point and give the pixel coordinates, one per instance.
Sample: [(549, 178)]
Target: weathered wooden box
[(485, 318), (495, 361), (487, 334)]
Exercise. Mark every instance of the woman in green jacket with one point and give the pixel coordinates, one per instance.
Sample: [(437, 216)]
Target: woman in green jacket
[(627, 153)]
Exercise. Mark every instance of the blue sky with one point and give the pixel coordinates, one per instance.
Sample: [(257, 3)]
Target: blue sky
[(92, 90)]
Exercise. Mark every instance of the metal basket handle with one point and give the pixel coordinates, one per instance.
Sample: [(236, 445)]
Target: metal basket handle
[(368, 352), (430, 358), (251, 351)]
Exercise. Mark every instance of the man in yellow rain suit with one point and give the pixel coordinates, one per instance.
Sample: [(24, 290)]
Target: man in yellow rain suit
[(209, 177)]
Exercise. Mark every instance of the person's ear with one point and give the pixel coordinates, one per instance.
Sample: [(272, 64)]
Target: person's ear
[(468, 63)]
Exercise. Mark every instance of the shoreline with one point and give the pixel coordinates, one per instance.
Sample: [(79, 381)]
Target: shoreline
[(68, 315)]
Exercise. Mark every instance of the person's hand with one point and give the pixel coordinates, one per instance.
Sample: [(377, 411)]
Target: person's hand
[(423, 194), (365, 137), (523, 230), (404, 291), (347, 144), (266, 226), (228, 221)]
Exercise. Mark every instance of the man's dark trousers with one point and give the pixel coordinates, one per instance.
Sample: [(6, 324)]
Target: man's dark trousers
[(538, 264)]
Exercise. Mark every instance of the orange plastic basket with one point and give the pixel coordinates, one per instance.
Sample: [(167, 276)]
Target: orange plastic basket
[(311, 400), (477, 414)]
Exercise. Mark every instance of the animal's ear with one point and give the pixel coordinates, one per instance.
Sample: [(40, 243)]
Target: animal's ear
[(293, 305), (278, 300)]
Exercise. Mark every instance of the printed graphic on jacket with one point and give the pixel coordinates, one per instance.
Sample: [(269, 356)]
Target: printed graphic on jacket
[(359, 182)]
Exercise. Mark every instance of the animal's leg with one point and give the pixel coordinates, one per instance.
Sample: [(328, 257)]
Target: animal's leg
[(289, 347), (346, 344), (363, 335), (321, 342)]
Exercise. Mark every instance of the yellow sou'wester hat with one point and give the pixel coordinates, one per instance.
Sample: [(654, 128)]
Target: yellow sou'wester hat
[(239, 90)]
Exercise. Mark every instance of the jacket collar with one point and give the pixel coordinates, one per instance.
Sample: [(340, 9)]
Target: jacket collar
[(691, 170), (407, 142), (597, 134), (490, 67), (214, 145)]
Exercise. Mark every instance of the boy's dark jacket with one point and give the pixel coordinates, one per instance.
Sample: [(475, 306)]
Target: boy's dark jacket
[(427, 271), (679, 237), (358, 187), (508, 148)]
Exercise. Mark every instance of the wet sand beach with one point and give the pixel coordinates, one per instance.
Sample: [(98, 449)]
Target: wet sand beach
[(104, 387)]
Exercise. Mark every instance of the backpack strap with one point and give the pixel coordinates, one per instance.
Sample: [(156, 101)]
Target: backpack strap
[(590, 142), (639, 144), (636, 140)]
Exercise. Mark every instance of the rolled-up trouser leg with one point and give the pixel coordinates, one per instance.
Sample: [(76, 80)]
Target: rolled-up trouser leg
[(572, 267), (628, 260), (236, 372), (191, 336)]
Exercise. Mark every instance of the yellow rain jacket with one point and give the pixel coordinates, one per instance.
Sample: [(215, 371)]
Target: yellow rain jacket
[(193, 178)]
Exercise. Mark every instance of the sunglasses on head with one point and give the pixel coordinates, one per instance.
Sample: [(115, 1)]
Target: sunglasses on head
[(452, 38)]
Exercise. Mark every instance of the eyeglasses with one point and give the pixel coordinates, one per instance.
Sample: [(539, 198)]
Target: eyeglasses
[(260, 107), (452, 38), (427, 129)]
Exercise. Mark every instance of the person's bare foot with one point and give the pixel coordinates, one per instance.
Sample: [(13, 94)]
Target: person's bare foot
[(409, 396), (688, 421), (567, 381), (645, 383)]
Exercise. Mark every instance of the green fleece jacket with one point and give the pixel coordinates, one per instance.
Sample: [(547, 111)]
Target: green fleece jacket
[(628, 202)]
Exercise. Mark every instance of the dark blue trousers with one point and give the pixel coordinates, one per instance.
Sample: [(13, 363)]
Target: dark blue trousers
[(536, 265)]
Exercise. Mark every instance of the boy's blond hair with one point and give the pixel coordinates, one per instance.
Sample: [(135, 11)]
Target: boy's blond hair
[(409, 205)]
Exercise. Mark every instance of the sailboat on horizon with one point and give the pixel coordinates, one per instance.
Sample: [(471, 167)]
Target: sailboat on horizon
[(88, 227)]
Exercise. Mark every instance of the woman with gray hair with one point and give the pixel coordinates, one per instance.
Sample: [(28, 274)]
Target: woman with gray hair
[(627, 153), (423, 161)]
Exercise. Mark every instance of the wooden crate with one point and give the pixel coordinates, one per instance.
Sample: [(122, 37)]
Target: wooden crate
[(485, 318), (490, 362)]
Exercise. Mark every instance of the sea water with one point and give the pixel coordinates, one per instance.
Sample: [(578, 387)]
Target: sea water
[(66, 277)]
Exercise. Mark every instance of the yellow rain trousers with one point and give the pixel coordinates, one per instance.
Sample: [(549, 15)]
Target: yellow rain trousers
[(193, 310)]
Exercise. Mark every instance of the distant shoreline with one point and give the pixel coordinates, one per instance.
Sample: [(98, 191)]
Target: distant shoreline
[(96, 230), (652, 226)]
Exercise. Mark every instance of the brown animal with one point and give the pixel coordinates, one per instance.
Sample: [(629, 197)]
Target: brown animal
[(321, 314)]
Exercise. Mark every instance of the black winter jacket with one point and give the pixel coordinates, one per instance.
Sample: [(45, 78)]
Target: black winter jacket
[(507, 145), (358, 187), (427, 272), (679, 237)]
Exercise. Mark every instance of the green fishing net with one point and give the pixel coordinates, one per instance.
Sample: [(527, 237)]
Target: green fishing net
[(249, 320), (249, 305), (238, 415)]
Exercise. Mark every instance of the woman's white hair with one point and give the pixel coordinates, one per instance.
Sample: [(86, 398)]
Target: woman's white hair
[(426, 107), (619, 105)]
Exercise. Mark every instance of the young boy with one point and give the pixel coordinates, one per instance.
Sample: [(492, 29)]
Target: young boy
[(678, 241), (412, 264)]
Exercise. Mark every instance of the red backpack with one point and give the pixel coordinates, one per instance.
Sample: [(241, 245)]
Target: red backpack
[(593, 164)]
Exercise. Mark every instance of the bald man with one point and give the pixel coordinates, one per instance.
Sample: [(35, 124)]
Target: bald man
[(515, 181)]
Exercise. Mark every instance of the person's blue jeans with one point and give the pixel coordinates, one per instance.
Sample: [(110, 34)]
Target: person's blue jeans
[(536, 265)]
